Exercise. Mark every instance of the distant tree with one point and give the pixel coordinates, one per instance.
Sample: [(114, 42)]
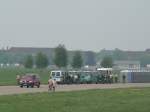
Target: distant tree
[(28, 62), (107, 62), (77, 60), (119, 55), (90, 58), (41, 60), (61, 56)]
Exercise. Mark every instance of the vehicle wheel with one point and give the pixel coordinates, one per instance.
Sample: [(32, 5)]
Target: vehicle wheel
[(27, 86), (38, 86), (32, 86), (21, 86)]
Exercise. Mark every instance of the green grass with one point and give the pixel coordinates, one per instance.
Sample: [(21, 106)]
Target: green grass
[(117, 100), (8, 75)]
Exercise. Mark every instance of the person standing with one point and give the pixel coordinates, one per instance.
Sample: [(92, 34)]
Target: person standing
[(110, 78), (18, 79), (54, 85), (116, 78), (51, 85), (124, 78)]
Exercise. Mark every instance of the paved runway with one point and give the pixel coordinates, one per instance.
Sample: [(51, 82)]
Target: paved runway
[(9, 90)]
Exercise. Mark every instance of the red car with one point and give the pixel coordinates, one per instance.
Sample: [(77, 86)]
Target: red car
[(30, 80)]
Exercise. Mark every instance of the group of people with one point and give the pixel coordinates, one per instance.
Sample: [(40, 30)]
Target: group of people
[(52, 82), (104, 78)]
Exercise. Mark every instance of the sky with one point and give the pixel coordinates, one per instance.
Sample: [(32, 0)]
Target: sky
[(78, 24)]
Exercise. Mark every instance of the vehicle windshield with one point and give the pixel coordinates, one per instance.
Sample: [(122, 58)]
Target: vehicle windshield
[(28, 76), (57, 74), (53, 74)]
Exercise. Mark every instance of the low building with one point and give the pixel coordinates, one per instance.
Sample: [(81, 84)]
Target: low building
[(123, 65), (135, 76)]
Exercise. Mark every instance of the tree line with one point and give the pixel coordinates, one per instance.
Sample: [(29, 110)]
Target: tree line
[(41, 61), (89, 57), (60, 59)]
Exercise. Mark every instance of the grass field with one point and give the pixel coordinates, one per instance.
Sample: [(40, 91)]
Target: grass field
[(116, 100), (8, 75)]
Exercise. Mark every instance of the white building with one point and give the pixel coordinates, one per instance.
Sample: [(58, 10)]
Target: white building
[(123, 65)]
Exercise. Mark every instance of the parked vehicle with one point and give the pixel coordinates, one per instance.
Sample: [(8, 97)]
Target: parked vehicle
[(58, 76), (106, 75), (89, 77), (101, 75), (30, 80)]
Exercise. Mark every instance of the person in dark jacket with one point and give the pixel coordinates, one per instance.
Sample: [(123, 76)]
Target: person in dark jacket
[(124, 78)]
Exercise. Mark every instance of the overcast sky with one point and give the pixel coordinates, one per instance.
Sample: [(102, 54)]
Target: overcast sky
[(79, 24)]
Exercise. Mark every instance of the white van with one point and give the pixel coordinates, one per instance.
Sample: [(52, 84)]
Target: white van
[(57, 75)]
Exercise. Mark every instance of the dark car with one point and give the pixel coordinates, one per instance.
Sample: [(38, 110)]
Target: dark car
[(30, 80)]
